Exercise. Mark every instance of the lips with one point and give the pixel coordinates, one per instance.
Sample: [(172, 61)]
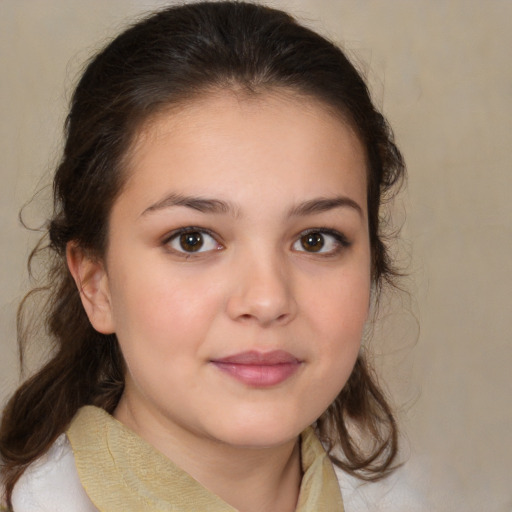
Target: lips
[(259, 369)]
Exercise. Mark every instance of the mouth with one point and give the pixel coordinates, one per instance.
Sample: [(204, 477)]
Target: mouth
[(259, 369)]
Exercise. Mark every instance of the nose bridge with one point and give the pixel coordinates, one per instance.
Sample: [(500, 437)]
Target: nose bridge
[(263, 288)]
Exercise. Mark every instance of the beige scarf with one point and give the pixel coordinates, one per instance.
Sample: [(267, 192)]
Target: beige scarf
[(123, 473)]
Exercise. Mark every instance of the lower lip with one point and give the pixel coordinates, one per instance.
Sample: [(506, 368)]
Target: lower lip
[(260, 376)]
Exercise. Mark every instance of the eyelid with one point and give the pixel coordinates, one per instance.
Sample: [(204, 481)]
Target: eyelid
[(169, 237), (341, 241)]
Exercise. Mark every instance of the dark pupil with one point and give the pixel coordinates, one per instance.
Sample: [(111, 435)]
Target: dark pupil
[(191, 242), (312, 242)]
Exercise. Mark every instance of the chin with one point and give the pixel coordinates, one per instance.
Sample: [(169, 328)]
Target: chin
[(261, 440), (259, 432)]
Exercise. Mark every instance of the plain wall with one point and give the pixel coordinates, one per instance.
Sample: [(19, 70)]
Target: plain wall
[(441, 72)]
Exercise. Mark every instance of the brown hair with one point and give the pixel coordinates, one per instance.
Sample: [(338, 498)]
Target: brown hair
[(168, 58)]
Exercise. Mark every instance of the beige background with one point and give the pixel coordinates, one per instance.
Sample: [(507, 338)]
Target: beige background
[(441, 70)]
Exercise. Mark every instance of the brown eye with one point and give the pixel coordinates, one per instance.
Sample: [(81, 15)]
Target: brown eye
[(324, 242), (312, 242), (191, 242)]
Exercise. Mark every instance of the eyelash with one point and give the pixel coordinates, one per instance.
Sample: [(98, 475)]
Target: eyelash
[(177, 234), (338, 239)]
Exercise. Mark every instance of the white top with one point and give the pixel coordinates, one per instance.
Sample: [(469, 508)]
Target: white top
[(51, 484)]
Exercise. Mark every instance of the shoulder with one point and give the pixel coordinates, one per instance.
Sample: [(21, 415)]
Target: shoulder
[(396, 493), (51, 483)]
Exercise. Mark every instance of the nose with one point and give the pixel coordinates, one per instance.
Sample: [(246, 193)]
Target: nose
[(262, 292)]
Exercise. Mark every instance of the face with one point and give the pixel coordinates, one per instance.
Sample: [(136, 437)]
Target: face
[(237, 274)]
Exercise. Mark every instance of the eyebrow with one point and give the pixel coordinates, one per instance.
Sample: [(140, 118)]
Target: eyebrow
[(204, 205), (320, 205), (200, 204)]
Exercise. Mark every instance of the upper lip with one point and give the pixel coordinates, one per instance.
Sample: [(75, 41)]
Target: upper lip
[(257, 358)]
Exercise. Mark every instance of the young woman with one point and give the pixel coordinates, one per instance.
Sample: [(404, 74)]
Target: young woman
[(216, 246)]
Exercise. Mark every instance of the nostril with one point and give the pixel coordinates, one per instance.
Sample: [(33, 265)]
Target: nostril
[(261, 298)]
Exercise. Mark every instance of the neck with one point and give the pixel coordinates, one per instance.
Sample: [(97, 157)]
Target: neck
[(249, 479), (256, 480)]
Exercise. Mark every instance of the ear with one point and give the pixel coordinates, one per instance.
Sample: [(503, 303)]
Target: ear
[(92, 282)]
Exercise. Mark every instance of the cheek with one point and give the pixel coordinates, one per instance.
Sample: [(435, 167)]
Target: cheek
[(160, 328), (337, 317), (340, 314), (342, 305), (164, 312)]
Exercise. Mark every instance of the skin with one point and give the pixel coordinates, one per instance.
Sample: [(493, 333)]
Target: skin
[(254, 285)]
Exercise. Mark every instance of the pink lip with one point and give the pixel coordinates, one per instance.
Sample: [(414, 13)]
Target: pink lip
[(259, 369)]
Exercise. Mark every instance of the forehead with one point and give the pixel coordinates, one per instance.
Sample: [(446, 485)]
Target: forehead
[(279, 137)]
